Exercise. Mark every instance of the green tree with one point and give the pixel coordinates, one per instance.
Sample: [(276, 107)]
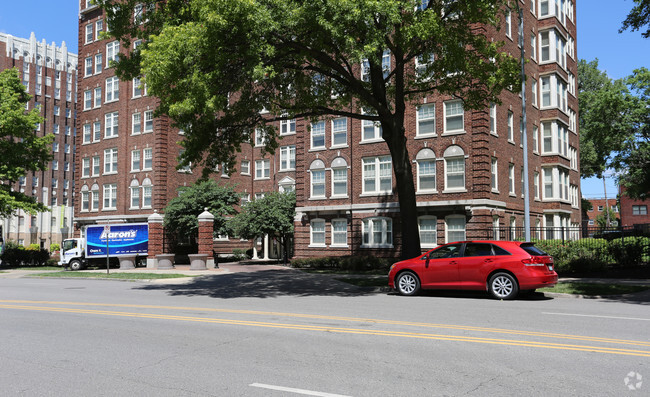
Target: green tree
[(21, 149), (272, 214), (638, 17), (181, 214), (606, 118), (222, 68), (633, 161), (601, 219)]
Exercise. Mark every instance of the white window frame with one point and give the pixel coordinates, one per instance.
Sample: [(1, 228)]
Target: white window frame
[(338, 233), (111, 123), (372, 171), (422, 175), (110, 196), (494, 169), (447, 111), (85, 167), (112, 89), (369, 232), (425, 117), (262, 169), (434, 232), (245, 167), (288, 158), (452, 218), (147, 122), (339, 178), (448, 172), (110, 161), (136, 160), (317, 131), (317, 180), (112, 52), (136, 121), (321, 231), (147, 156), (339, 128)]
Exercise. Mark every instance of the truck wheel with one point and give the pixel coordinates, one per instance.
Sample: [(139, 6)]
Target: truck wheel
[(75, 265)]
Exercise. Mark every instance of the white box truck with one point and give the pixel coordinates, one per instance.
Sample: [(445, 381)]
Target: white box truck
[(127, 239)]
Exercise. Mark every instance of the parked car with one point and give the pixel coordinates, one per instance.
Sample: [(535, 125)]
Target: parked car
[(503, 268)]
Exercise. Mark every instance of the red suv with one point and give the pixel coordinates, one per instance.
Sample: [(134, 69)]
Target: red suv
[(504, 268)]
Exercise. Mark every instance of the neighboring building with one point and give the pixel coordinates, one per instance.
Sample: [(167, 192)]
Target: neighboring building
[(598, 206), (50, 76), (468, 165), (633, 212)]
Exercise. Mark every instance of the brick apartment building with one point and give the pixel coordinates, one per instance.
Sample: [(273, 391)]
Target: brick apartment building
[(468, 165), (633, 212), (49, 74), (598, 206)]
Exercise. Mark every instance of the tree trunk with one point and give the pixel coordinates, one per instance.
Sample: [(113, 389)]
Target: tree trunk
[(401, 161)]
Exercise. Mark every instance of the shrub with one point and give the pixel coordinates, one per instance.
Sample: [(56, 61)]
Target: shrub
[(55, 247), (33, 247), (17, 255), (239, 254), (627, 251)]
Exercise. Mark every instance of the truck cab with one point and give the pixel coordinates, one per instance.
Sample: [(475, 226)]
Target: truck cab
[(72, 253)]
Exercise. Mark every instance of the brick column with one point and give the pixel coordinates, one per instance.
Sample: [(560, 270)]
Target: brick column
[(156, 231), (206, 237)]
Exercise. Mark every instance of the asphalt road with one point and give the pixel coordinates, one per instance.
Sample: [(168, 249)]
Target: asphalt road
[(286, 333)]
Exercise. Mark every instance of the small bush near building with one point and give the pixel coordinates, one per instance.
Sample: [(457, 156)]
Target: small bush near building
[(351, 264), (17, 255)]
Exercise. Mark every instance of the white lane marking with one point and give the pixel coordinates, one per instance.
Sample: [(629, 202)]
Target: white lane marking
[(297, 391), (592, 315)]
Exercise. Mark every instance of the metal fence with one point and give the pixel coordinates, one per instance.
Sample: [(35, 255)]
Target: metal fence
[(561, 235)]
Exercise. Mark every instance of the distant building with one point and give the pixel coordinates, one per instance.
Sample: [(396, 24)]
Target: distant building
[(633, 212), (49, 73), (598, 206)]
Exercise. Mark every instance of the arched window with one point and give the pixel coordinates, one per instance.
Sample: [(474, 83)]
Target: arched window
[(454, 168), (317, 170), (339, 177), (94, 197), (134, 187), (85, 198), (147, 190), (426, 170)]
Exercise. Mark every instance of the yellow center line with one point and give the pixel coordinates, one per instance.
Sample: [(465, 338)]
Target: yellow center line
[(402, 334), (352, 319)]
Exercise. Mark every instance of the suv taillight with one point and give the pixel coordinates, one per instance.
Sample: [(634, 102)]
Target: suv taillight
[(535, 261)]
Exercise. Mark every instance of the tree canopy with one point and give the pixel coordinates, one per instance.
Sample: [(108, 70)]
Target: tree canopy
[(272, 214), (222, 68), (21, 149), (638, 18), (181, 214)]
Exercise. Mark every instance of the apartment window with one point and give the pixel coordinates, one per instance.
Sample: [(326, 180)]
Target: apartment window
[(110, 196), (377, 175), (112, 89), (112, 52), (98, 97), (426, 120), (135, 160), (317, 227), (89, 33), (428, 226), (137, 88), (534, 92), (245, 167), (110, 125), (98, 63), (287, 158), (96, 165), (97, 131), (493, 119), (85, 199), (545, 46), (547, 138), (509, 23), (535, 139), (639, 210), (495, 175), (148, 121), (318, 135), (55, 166), (148, 158), (260, 137), (546, 91), (99, 26), (426, 170), (262, 169), (317, 173), (94, 198), (85, 167), (533, 46), (371, 130), (340, 232), (536, 184), (511, 179), (548, 183), (511, 134), (455, 228), (136, 123), (287, 126), (55, 147), (147, 190), (385, 63), (339, 178), (135, 194), (454, 117), (377, 232), (422, 62), (87, 133), (110, 161), (88, 69), (339, 132), (454, 168), (365, 70), (88, 100)]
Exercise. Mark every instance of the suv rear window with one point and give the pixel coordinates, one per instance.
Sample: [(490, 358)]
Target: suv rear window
[(532, 250)]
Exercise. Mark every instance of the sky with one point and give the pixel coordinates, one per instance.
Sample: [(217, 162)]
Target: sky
[(598, 23)]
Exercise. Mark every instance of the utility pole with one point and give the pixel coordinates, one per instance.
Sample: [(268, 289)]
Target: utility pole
[(524, 140)]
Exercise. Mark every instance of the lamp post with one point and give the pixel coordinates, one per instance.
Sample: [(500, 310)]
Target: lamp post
[(524, 140)]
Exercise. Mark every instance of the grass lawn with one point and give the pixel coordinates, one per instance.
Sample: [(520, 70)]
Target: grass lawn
[(593, 289), (116, 276)]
